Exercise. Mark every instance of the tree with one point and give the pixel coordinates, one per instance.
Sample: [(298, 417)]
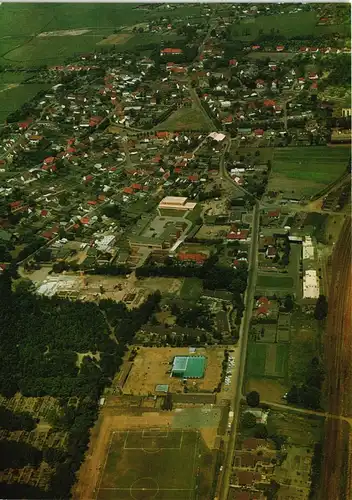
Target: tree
[(260, 431), (22, 286), (253, 398), (248, 420), (288, 303), (321, 308)]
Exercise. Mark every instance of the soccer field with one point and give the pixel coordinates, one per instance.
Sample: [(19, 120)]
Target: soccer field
[(151, 463)]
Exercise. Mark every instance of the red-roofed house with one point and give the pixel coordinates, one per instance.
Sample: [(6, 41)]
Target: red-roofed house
[(233, 62), (314, 86), (136, 186), (303, 49), (270, 252), (228, 120), (193, 178), (275, 214), (240, 235), (280, 48), (171, 51), (128, 190), (262, 301), (85, 220), (43, 213), (199, 258), (88, 178), (313, 76), (162, 135), (255, 47), (24, 125), (49, 160), (92, 202), (95, 120), (15, 204), (259, 132), (262, 311), (269, 103), (260, 83)]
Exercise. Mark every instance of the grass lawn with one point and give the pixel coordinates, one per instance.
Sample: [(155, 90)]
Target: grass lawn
[(256, 355), (185, 119), (148, 463), (302, 430), (288, 25), (265, 154), (281, 366), (274, 281), (320, 164), (13, 98), (192, 289)]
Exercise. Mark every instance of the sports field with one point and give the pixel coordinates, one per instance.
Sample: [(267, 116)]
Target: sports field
[(303, 171), (151, 463)]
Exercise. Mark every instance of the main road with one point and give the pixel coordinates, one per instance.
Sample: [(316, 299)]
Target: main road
[(242, 346)]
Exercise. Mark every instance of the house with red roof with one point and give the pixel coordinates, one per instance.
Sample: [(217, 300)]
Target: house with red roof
[(255, 47), (198, 258), (259, 132), (274, 214), (304, 49), (84, 220), (280, 48), (270, 252), (92, 202), (193, 178), (44, 213), (24, 125), (170, 51), (49, 160), (136, 187), (272, 66), (260, 83), (313, 76), (227, 120), (162, 135), (239, 235), (269, 103), (128, 190), (95, 120), (233, 62), (314, 86)]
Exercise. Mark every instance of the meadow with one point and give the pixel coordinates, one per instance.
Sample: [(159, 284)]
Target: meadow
[(185, 119), (288, 25), (303, 171), (12, 98)]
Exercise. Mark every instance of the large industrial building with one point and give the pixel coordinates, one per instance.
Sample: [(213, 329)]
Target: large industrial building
[(174, 204)]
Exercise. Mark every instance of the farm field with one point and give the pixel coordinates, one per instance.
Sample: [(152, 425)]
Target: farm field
[(264, 155), (295, 24), (12, 96), (276, 282), (185, 119), (267, 360), (169, 472), (303, 171), (191, 289)]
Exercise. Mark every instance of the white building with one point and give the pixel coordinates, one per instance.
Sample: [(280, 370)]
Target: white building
[(307, 248), (176, 203), (310, 284)]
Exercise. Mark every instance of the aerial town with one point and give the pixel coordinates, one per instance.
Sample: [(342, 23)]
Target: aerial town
[(175, 252)]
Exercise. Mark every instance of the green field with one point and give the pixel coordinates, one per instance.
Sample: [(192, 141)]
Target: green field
[(281, 364), (276, 282), (264, 155), (321, 164), (192, 289), (256, 354), (288, 25), (13, 98), (152, 462), (185, 119)]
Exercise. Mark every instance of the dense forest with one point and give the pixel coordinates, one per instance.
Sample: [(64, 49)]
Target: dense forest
[(40, 339)]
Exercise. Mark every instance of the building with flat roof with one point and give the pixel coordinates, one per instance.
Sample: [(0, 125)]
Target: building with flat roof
[(188, 366), (175, 203), (310, 284)]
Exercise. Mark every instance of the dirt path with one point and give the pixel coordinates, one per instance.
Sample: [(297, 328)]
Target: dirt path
[(336, 478)]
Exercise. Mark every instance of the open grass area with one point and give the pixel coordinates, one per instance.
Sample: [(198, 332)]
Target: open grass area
[(185, 119), (288, 25), (320, 164), (256, 355), (12, 97), (256, 154), (276, 282), (302, 430), (143, 464), (303, 171), (191, 289)]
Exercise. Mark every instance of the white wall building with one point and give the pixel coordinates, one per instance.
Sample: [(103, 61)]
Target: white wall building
[(310, 284)]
